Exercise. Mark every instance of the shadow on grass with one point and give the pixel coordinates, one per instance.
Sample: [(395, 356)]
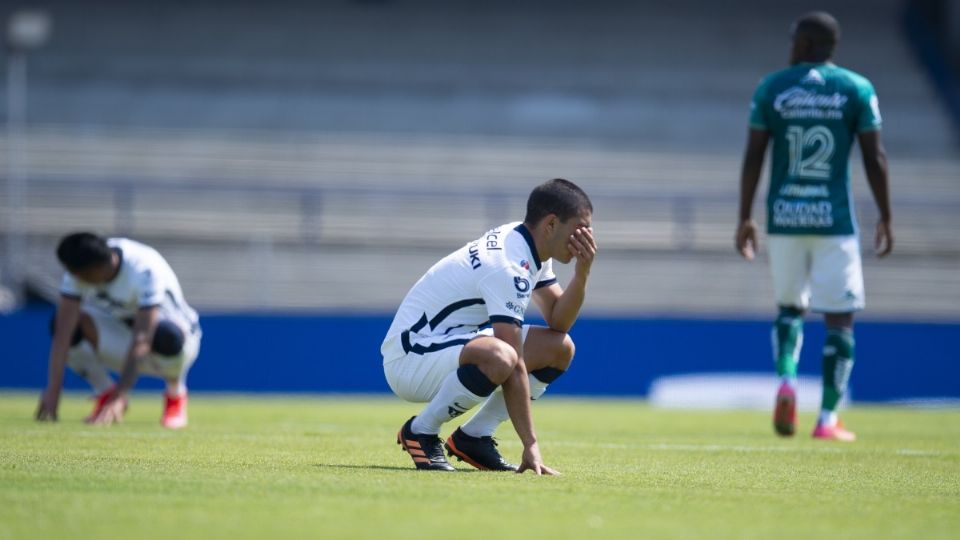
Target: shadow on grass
[(384, 468)]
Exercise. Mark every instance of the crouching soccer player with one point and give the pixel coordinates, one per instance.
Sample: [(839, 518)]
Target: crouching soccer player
[(121, 309), (458, 339)]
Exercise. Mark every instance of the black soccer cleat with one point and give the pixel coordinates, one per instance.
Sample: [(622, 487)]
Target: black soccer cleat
[(426, 450), (481, 452)]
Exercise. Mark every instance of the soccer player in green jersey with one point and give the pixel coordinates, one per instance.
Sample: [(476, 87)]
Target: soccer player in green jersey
[(813, 111)]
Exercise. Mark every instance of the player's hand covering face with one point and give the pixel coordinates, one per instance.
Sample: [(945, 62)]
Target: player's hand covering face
[(567, 243), (583, 246)]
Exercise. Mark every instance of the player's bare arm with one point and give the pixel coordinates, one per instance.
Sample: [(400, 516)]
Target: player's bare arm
[(875, 165), (516, 393), (561, 307), (67, 318), (144, 326), (746, 237)]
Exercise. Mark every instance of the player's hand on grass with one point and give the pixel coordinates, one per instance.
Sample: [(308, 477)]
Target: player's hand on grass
[(883, 243), (584, 248), (47, 409), (747, 239), (532, 461), (111, 413)]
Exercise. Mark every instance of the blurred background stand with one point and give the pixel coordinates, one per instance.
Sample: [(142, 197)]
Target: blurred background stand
[(26, 30)]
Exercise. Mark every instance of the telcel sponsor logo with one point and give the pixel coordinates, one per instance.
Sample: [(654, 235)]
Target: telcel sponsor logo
[(493, 239)]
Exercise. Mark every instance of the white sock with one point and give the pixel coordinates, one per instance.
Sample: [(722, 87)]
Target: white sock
[(494, 411), (176, 388), (828, 418), (452, 400), (83, 361)]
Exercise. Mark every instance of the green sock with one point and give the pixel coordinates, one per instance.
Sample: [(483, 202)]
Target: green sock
[(837, 365), (787, 339)]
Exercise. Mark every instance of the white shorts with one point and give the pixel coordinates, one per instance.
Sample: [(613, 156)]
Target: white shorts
[(416, 376), (822, 273), (115, 337)]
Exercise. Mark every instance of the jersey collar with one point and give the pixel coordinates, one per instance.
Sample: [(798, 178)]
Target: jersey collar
[(522, 229), (119, 253)]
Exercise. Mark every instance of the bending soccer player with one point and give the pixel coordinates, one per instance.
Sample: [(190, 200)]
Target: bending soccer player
[(814, 111), (121, 309), (458, 339)]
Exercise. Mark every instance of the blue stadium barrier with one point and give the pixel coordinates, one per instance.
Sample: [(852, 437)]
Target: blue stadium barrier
[(615, 356)]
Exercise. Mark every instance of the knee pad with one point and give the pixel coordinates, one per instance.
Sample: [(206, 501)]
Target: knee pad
[(77, 333), (547, 375), (168, 339), (475, 381)]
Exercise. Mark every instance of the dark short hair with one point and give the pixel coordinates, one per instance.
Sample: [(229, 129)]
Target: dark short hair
[(83, 250), (558, 196), (822, 29)]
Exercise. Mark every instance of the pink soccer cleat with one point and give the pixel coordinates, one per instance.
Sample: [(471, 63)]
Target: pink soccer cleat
[(785, 411), (833, 433), (175, 412)]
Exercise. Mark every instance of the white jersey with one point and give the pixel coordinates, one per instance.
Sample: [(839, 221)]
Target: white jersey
[(144, 280), (487, 281)]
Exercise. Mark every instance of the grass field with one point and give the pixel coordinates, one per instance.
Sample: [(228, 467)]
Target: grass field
[(311, 467)]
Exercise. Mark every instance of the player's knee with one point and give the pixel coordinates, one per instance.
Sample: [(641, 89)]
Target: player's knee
[(75, 339), (507, 357), (789, 313), (168, 339), (567, 350), (502, 360), (838, 321)]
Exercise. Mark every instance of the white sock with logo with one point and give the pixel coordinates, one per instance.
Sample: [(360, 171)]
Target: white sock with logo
[(452, 400), (494, 410)]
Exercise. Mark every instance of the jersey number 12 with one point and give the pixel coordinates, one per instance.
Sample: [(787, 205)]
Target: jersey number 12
[(816, 165)]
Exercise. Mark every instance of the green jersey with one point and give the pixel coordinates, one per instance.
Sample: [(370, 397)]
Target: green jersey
[(813, 113)]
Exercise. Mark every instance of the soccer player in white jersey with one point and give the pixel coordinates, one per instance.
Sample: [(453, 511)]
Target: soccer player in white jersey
[(122, 309), (458, 339), (813, 112)]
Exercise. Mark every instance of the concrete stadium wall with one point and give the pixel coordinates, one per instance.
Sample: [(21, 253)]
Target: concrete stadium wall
[(615, 356)]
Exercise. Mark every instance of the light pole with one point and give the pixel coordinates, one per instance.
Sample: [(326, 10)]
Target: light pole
[(26, 30)]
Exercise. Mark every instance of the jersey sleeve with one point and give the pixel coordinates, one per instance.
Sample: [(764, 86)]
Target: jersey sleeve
[(506, 293), (758, 117), (869, 117), (149, 290), (70, 287), (547, 277)]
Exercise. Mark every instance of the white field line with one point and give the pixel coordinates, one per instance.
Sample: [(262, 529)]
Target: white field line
[(739, 448)]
